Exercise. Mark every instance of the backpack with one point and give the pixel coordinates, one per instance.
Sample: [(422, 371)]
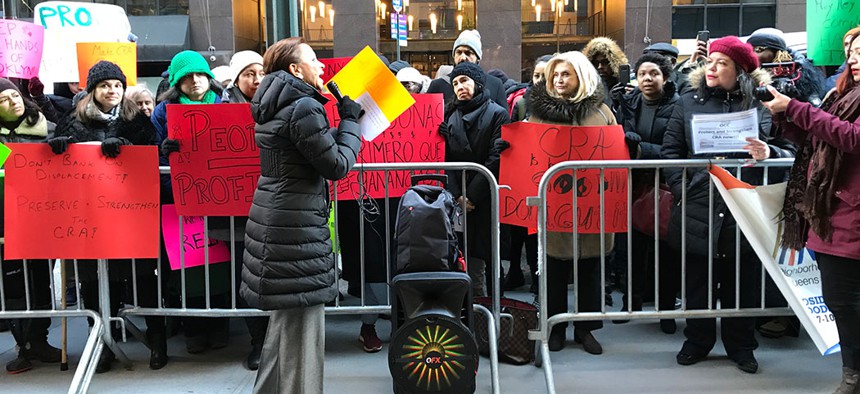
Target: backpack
[(424, 237)]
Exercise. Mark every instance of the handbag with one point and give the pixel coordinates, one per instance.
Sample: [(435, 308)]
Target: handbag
[(642, 211), (514, 344)]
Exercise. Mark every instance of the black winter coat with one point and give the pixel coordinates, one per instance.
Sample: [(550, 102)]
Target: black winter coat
[(676, 145), (475, 126), (138, 131), (289, 261), (652, 140)]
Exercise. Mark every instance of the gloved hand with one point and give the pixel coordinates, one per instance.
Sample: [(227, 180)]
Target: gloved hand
[(349, 109), (36, 87), (169, 146), (60, 144), (619, 91), (501, 145), (444, 130), (110, 146), (633, 140)]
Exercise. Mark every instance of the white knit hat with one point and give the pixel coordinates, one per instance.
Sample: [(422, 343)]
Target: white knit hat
[(222, 73), (409, 74), (243, 59), (471, 39)]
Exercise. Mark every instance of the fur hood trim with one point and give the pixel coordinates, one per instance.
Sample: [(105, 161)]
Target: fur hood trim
[(697, 77), (608, 47)]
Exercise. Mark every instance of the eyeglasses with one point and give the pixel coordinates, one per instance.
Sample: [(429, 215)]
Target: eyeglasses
[(760, 49), (598, 63)]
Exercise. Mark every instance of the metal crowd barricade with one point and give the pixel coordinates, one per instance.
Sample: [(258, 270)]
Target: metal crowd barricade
[(135, 309), (545, 323), (94, 344)]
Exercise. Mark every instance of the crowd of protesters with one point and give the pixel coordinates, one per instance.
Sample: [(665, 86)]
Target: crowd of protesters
[(293, 273)]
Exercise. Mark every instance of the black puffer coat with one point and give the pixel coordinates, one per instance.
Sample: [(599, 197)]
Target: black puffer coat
[(652, 140), (288, 254), (475, 125), (676, 145), (138, 131)]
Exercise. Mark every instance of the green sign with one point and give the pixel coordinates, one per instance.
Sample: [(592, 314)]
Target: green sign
[(826, 23), (4, 153)]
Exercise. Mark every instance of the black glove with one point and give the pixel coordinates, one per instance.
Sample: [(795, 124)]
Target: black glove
[(444, 130), (618, 92), (501, 145), (169, 146), (349, 109), (36, 87), (633, 140), (110, 146), (60, 144)]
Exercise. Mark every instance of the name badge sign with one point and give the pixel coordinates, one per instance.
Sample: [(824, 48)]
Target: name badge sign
[(722, 133)]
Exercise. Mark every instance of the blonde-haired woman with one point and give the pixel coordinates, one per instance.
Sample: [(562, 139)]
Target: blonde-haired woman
[(573, 96)]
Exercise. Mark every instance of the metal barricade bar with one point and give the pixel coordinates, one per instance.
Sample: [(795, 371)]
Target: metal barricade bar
[(545, 322)]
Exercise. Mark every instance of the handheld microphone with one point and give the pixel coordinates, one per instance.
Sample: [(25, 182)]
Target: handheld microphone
[(335, 91)]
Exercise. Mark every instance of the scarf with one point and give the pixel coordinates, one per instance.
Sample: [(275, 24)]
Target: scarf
[(809, 200), (208, 98), (94, 112)]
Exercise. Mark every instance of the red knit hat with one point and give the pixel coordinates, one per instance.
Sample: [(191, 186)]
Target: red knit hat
[(741, 53)]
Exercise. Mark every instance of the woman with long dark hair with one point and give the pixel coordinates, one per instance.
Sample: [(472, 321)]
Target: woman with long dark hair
[(822, 202)]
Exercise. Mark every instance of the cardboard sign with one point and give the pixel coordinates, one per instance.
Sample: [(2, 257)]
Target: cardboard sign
[(333, 66), (758, 210), (123, 54), (67, 23), (193, 241), (216, 169), (826, 23), (81, 204), (20, 49), (537, 147), (412, 138)]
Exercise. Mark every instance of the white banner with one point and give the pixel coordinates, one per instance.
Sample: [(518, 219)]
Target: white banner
[(722, 133), (757, 211)]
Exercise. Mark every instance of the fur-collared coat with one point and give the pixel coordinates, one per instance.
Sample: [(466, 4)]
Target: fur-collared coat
[(589, 112)]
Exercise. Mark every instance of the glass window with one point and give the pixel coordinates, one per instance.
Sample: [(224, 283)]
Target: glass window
[(687, 21), (756, 17), (723, 21), (724, 17)]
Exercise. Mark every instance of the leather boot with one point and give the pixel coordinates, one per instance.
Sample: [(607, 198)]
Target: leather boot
[(157, 347), (557, 337), (589, 344), (105, 360), (253, 361)]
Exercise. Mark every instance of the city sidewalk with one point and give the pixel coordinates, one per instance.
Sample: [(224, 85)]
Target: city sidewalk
[(637, 357)]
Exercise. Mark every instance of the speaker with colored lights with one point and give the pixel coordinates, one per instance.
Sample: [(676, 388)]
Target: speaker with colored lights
[(432, 349)]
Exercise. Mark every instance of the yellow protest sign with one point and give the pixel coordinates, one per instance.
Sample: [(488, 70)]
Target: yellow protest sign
[(369, 82), (123, 54)]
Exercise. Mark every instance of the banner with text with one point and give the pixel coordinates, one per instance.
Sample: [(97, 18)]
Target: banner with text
[(123, 54), (216, 169), (193, 243), (412, 138), (67, 23), (757, 210), (81, 204), (826, 22), (535, 148), (20, 49)]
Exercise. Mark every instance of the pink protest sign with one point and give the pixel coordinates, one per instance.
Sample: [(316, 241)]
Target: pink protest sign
[(20, 48), (193, 240)]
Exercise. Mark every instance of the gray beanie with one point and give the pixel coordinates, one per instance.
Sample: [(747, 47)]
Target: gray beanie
[(471, 39)]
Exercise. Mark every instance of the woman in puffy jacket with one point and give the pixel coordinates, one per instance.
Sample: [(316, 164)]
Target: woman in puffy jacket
[(289, 263)]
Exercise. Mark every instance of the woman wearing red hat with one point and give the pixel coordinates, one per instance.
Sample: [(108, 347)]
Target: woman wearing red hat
[(724, 84)]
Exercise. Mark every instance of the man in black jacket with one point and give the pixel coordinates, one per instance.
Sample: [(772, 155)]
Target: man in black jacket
[(467, 48)]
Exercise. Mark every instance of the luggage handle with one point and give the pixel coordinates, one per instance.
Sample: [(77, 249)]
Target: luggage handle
[(441, 178)]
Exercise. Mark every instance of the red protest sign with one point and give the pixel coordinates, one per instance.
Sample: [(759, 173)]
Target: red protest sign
[(535, 148), (412, 138), (332, 66), (193, 241), (216, 169), (81, 204)]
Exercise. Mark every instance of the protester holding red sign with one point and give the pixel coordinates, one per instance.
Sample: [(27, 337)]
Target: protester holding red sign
[(21, 121), (573, 95), (192, 82), (103, 115)]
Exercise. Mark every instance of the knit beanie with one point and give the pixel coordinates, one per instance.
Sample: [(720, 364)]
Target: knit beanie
[(409, 74), (739, 52), (6, 84), (767, 40), (241, 60), (396, 66), (471, 70), (187, 62), (103, 71), (471, 39)]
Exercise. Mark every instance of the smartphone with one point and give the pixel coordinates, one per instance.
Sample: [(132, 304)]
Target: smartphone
[(703, 35), (624, 74)]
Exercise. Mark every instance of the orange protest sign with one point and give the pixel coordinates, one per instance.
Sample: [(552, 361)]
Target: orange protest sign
[(536, 147), (81, 204), (124, 54)]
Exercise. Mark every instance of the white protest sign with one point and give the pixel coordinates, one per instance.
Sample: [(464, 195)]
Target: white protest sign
[(67, 23), (721, 133), (757, 211)]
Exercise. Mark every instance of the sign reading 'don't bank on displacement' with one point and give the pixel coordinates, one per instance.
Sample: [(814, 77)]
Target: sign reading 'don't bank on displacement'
[(81, 204)]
